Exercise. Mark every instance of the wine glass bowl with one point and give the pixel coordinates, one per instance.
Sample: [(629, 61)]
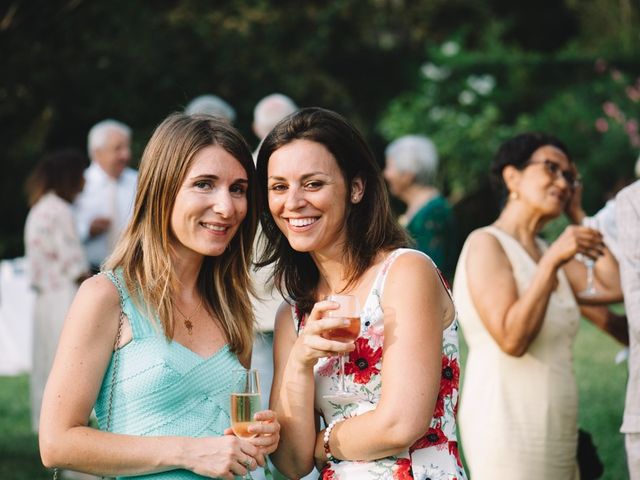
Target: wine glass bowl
[(349, 309), (245, 403)]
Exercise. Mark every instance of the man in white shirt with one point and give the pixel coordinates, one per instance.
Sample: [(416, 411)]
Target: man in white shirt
[(104, 206), (628, 223)]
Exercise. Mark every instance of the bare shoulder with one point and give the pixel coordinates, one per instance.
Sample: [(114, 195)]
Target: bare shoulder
[(411, 265), (284, 317), (485, 248), (100, 290)]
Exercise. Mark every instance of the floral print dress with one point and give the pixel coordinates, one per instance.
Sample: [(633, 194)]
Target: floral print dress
[(435, 455)]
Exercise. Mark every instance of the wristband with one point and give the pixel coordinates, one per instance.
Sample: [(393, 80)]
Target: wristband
[(327, 435)]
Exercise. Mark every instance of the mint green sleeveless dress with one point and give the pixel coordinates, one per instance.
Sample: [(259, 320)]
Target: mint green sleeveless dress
[(163, 388)]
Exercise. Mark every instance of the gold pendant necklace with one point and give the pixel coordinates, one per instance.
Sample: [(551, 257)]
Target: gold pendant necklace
[(187, 320)]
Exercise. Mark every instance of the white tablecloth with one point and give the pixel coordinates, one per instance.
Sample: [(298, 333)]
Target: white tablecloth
[(16, 317)]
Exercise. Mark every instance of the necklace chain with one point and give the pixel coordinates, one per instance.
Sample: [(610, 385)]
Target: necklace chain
[(187, 319)]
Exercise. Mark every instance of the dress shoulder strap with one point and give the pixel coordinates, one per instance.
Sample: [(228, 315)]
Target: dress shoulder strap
[(140, 326)]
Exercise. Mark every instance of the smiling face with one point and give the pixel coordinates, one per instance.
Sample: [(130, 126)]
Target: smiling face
[(210, 205), (545, 181), (308, 196)]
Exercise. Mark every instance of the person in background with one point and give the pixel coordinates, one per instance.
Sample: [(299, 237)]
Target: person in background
[(518, 301), (628, 225), (104, 206), (211, 105), (154, 340), (410, 171), (329, 229), (55, 256), (268, 112)]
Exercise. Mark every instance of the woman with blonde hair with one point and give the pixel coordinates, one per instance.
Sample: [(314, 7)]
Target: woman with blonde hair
[(174, 300)]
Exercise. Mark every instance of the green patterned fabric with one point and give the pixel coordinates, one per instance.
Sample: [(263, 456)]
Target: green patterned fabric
[(433, 229), (163, 388)]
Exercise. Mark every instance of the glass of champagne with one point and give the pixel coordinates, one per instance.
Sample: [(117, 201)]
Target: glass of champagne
[(245, 403), (349, 309), (590, 289)]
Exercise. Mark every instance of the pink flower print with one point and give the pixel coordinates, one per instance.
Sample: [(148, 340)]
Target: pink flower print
[(602, 125), (375, 333), (329, 368)]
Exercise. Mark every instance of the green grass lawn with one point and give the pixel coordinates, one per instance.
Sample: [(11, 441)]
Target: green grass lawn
[(601, 384)]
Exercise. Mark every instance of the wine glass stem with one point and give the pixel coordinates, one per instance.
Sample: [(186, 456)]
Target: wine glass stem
[(342, 386)]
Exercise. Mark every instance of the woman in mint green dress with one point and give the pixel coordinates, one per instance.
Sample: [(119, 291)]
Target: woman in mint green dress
[(161, 382)]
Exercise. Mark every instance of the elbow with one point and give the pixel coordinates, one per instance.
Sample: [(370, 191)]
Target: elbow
[(49, 453), (403, 433), (514, 348), (290, 465)]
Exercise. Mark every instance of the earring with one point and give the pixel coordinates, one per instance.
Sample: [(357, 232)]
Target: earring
[(513, 195)]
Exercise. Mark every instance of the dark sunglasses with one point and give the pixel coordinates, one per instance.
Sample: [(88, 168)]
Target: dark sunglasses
[(556, 171)]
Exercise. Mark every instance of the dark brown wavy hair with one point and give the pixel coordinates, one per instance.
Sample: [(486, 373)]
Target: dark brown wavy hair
[(370, 224)]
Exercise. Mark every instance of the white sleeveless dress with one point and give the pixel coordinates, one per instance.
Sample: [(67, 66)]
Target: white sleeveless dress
[(518, 416), (435, 455)]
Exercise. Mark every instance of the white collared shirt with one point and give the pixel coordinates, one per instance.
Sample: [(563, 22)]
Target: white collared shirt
[(104, 196)]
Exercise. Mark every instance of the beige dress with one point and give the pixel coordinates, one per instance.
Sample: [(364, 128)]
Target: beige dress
[(518, 416)]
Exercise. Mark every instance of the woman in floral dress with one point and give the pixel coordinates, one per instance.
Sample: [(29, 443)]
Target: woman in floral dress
[(329, 229), (55, 255)]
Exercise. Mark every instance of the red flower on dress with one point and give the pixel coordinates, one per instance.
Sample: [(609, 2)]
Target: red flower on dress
[(439, 411), (402, 469), (450, 376), (433, 438), (362, 362), (328, 474), (453, 450)]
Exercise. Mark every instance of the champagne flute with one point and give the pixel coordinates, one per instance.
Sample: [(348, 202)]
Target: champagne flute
[(349, 309), (590, 289), (245, 403)]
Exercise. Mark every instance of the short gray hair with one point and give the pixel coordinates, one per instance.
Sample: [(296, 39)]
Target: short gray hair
[(211, 105), (415, 154), (98, 134), (270, 110)]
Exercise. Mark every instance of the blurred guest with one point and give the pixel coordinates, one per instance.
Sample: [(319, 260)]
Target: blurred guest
[(211, 105), (411, 168), (56, 259), (268, 112), (628, 221), (518, 307), (104, 206)]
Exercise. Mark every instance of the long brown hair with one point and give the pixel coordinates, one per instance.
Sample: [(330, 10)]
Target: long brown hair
[(370, 225), (143, 251)]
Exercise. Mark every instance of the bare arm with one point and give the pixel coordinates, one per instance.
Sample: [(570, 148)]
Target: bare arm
[(82, 358), (416, 308)]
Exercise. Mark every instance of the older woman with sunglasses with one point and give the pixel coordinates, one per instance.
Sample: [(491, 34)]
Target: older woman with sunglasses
[(519, 304)]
